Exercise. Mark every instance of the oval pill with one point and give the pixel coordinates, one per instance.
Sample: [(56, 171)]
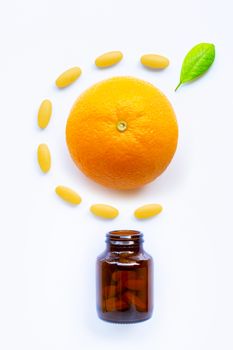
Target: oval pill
[(108, 59), (44, 157), (123, 276), (154, 61), (44, 114), (115, 304), (68, 195), (132, 299), (147, 211), (135, 285), (109, 291), (68, 77), (104, 211)]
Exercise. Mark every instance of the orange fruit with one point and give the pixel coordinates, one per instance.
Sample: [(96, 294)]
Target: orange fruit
[(122, 132)]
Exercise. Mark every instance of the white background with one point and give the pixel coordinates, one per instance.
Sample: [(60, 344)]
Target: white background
[(48, 249)]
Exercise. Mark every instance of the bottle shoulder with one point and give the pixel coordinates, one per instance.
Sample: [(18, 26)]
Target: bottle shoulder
[(124, 256)]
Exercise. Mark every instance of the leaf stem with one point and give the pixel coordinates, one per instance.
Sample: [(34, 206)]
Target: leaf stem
[(178, 85)]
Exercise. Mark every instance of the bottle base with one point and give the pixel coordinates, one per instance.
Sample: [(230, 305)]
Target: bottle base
[(123, 320)]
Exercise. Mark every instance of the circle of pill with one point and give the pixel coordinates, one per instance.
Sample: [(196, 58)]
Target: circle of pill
[(68, 195), (68, 77), (44, 157), (154, 61), (108, 59), (44, 114), (147, 211), (104, 211)]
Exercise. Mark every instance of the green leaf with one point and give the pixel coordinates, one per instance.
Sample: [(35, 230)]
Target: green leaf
[(197, 61)]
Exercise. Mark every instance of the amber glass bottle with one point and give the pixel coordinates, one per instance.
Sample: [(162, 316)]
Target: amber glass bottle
[(124, 279)]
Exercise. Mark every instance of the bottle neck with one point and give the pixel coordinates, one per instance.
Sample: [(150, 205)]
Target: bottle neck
[(124, 240)]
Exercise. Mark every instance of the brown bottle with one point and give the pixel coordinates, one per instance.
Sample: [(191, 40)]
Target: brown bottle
[(124, 279)]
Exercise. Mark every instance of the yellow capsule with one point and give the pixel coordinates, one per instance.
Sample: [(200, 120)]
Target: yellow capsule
[(44, 114), (147, 211), (68, 195), (104, 211), (108, 59), (68, 77), (44, 158), (154, 61)]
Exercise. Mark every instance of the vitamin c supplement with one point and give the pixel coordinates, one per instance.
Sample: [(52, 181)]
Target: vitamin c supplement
[(132, 298), (147, 211), (68, 77), (44, 157), (154, 61), (108, 59), (113, 304), (124, 279), (104, 211), (44, 114), (68, 195), (136, 284)]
